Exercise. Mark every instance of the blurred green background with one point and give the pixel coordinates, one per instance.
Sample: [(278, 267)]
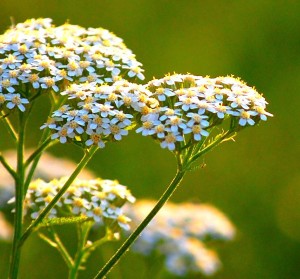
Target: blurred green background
[(256, 180)]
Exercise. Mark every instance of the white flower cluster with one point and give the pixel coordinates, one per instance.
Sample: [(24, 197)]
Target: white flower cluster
[(190, 106), (99, 200), (179, 233), (96, 114), (36, 56)]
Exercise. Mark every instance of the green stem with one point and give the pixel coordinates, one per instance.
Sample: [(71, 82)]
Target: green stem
[(83, 231), (19, 183), (34, 159), (10, 128), (38, 151), (209, 147), (61, 248), (86, 158), (130, 240), (7, 166)]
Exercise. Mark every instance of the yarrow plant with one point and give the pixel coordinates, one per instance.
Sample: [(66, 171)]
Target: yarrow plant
[(91, 81)]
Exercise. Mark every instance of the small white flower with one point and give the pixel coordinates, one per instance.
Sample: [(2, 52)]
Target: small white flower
[(62, 133), (16, 100), (95, 139), (170, 140), (116, 130), (245, 117)]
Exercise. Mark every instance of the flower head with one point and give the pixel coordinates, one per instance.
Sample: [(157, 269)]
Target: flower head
[(179, 233), (95, 114), (189, 107), (97, 199), (36, 57)]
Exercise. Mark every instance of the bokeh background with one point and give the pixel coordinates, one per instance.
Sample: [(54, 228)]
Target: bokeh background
[(255, 181)]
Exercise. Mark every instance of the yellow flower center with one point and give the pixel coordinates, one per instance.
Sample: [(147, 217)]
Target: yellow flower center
[(123, 219), (79, 94), (48, 199), (78, 202), (148, 125), (136, 70), (2, 99), (16, 100), (221, 108), (33, 78), (63, 132), (112, 97), (49, 82), (25, 67), (127, 101), (160, 128), (46, 190), (145, 110), (175, 121), (45, 64), (95, 138), (196, 129), (97, 211), (85, 117), (91, 78), (73, 66), (106, 43), (62, 73), (143, 98), (6, 83), (197, 118), (169, 112), (73, 124), (180, 92), (245, 114), (259, 109), (13, 74), (84, 64), (160, 90), (109, 63), (170, 138), (98, 120), (10, 59), (190, 93), (121, 116), (115, 129), (23, 49), (187, 101)]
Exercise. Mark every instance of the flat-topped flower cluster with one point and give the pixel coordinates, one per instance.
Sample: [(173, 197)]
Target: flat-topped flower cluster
[(96, 113), (179, 233), (36, 56), (191, 106), (99, 200)]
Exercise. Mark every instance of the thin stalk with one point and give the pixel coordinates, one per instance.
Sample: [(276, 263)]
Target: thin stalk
[(34, 159), (43, 144), (82, 240), (61, 248), (7, 166), (19, 190), (10, 128), (130, 240), (86, 158), (209, 147), (38, 151)]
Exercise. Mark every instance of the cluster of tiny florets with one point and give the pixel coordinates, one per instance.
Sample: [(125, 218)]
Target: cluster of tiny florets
[(36, 56), (190, 106), (179, 232), (99, 200), (95, 114)]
